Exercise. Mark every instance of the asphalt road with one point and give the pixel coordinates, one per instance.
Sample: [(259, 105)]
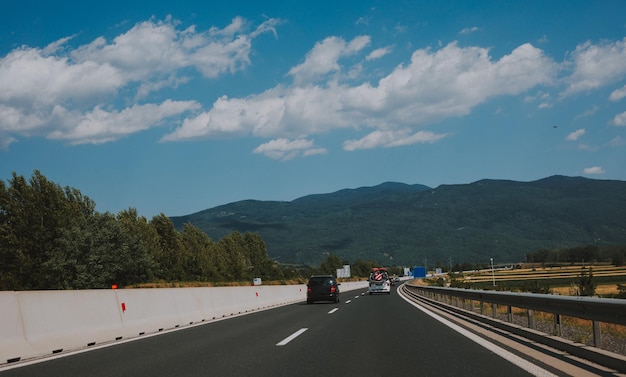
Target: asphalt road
[(362, 335)]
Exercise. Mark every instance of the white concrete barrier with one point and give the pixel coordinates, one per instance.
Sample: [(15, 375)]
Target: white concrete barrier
[(148, 310), (40, 323), (57, 320), (13, 342)]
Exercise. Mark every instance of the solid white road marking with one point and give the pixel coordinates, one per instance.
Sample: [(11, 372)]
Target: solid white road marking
[(291, 337), (531, 368), (332, 311)]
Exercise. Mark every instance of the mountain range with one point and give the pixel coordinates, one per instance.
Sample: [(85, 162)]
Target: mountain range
[(397, 224)]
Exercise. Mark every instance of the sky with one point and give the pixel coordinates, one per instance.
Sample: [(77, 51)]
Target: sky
[(176, 107)]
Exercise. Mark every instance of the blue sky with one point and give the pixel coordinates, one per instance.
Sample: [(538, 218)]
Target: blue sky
[(176, 107)]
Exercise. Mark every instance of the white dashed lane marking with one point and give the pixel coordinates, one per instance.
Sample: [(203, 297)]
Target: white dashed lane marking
[(291, 337)]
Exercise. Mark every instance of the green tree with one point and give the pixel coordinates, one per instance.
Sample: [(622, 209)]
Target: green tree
[(232, 246), (201, 263), (169, 255), (586, 284), (362, 268), (331, 265), (33, 215), (262, 265), (143, 243), (92, 257)]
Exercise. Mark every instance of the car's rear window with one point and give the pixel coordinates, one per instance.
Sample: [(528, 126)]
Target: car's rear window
[(314, 282)]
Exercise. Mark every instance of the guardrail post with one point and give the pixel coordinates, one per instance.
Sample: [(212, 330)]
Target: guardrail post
[(494, 313), (482, 308), (531, 319), (557, 324), (597, 334), (510, 313)]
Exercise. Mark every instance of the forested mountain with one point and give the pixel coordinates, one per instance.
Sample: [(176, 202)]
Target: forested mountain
[(399, 224), (51, 237)]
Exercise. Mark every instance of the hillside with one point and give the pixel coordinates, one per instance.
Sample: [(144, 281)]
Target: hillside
[(400, 224)]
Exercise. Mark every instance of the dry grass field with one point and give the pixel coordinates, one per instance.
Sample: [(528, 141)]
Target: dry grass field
[(546, 273)]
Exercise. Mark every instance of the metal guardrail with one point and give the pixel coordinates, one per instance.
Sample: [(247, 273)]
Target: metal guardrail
[(597, 310)]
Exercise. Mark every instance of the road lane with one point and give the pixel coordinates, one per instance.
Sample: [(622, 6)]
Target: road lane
[(362, 334), (381, 335)]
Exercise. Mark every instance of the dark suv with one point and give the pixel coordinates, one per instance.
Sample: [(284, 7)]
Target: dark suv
[(322, 288)]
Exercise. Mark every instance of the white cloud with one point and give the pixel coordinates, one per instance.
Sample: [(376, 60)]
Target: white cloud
[(469, 30), (285, 149), (619, 119), (323, 58), (362, 21), (575, 135), (392, 139), (594, 170), (31, 79), (70, 93), (378, 53), (617, 141), (596, 65), (543, 98), (5, 141), (594, 109), (618, 94), (314, 152), (433, 86), (101, 126), (152, 49)]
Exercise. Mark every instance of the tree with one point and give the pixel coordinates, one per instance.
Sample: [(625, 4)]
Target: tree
[(262, 265), (331, 265), (586, 284), (143, 243), (201, 263), (232, 246), (33, 215), (169, 254), (362, 268)]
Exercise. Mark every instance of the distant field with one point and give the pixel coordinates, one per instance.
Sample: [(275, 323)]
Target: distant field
[(607, 277)]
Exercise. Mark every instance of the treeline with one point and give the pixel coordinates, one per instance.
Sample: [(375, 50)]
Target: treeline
[(53, 238), (615, 255), (358, 268)]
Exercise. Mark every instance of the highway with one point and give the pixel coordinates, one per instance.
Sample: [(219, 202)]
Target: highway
[(361, 335)]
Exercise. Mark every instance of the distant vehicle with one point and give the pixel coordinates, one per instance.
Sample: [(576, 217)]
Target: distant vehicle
[(322, 288), (379, 281)]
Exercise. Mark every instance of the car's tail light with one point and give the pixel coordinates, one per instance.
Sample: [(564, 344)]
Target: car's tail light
[(333, 289), (308, 289)]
